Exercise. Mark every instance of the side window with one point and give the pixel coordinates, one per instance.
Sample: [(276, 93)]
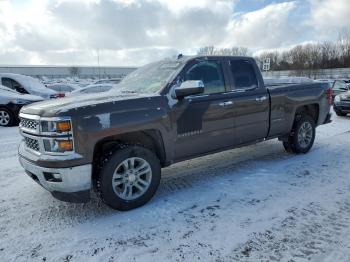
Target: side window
[(243, 74), (210, 73), (14, 85), (18, 87), (7, 82)]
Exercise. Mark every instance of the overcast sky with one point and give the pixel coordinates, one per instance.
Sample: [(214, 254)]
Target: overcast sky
[(132, 32)]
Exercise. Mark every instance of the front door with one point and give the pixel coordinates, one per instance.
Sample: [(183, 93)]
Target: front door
[(204, 122)]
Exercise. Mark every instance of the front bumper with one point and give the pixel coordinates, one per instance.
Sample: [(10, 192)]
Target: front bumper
[(71, 184), (342, 107)]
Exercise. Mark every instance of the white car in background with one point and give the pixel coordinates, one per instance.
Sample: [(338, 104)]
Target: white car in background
[(10, 104), (91, 89), (63, 88), (26, 85), (113, 81), (286, 80)]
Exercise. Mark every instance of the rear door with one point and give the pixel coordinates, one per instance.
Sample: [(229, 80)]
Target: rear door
[(251, 102), (204, 122)]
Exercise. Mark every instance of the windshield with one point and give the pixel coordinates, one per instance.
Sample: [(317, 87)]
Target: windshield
[(339, 86), (150, 78)]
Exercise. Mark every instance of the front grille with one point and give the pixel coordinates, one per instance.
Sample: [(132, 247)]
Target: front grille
[(32, 143), (29, 124)]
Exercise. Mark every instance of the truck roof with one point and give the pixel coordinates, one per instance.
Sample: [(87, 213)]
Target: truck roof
[(186, 58)]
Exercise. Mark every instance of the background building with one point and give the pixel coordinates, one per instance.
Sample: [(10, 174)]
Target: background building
[(68, 71)]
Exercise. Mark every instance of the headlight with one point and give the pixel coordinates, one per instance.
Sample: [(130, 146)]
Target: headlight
[(337, 99), (63, 126), (58, 145)]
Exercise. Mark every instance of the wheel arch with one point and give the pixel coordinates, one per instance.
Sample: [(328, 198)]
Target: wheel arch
[(151, 139), (312, 110)]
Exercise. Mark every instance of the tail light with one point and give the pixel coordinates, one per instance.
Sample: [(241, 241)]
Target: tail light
[(58, 95), (330, 96)]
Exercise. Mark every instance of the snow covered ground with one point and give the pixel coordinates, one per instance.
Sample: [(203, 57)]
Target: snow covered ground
[(251, 204)]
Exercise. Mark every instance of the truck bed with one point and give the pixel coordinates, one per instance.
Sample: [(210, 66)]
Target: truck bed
[(286, 98)]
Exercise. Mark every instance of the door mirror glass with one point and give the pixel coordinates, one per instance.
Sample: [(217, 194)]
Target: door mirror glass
[(190, 87)]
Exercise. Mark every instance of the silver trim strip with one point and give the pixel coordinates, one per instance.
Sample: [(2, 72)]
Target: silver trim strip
[(39, 119), (31, 117)]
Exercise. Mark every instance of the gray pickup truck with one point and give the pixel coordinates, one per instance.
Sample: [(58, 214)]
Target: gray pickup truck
[(168, 111)]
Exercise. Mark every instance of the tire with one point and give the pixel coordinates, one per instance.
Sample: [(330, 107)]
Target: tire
[(302, 137), (339, 113), (119, 173), (6, 117)]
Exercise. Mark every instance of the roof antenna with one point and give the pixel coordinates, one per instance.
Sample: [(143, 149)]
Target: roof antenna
[(180, 56)]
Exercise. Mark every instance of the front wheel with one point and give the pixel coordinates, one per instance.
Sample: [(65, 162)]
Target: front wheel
[(6, 117), (302, 137), (129, 178)]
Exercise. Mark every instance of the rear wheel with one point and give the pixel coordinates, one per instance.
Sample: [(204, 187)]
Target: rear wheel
[(6, 117), (129, 178), (302, 137)]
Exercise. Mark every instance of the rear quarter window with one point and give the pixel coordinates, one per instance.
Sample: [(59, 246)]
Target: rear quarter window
[(243, 74)]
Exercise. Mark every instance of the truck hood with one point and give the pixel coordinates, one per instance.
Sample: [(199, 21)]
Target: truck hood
[(65, 106)]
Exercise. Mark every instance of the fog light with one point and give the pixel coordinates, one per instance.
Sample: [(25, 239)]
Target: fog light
[(52, 177), (57, 176)]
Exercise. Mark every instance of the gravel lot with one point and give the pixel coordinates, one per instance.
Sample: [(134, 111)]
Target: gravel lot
[(251, 204)]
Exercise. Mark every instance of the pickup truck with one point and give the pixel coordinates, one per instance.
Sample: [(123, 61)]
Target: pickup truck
[(168, 111)]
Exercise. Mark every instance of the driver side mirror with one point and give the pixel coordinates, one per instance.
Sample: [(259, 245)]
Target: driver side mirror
[(189, 87)]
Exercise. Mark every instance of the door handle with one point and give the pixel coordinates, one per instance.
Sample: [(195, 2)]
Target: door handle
[(226, 103), (261, 99)]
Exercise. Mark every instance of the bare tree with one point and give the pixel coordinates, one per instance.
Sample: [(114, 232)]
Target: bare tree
[(207, 50), (74, 70), (305, 60), (211, 50)]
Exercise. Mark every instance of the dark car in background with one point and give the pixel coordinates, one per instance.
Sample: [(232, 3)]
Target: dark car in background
[(26, 85), (340, 86), (341, 104), (10, 104)]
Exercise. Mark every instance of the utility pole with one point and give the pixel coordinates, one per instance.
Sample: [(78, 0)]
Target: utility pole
[(98, 63)]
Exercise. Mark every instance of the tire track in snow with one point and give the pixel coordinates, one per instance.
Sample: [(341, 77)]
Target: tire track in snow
[(305, 234)]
